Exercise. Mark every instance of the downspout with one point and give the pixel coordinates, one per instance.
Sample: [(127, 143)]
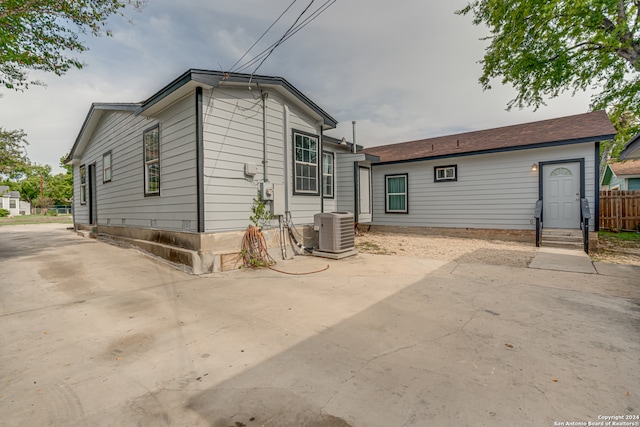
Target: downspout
[(286, 134), (265, 160), (199, 161)]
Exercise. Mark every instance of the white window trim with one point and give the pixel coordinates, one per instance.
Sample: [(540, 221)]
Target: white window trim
[(83, 184), (316, 191), (329, 175), (106, 169), (450, 173), (387, 209), (147, 192)]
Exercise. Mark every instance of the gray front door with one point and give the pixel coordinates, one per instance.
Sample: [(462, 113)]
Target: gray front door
[(561, 195)]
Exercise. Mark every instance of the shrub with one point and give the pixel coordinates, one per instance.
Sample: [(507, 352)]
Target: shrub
[(52, 212), (4, 213)]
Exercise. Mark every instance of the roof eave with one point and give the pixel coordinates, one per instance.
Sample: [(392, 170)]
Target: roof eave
[(632, 149), (90, 123), (192, 78), (503, 149)]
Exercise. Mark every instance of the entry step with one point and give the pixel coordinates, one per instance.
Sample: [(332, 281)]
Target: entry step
[(557, 237)]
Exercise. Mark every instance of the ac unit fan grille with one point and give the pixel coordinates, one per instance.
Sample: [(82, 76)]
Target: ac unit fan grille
[(336, 233)]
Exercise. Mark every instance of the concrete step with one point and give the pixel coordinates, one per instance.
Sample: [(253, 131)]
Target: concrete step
[(571, 232), (551, 243), (561, 238)]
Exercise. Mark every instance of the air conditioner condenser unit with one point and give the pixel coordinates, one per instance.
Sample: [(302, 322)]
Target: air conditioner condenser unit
[(335, 232)]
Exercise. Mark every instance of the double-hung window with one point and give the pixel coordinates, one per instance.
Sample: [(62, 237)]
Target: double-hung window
[(305, 159), (106, 167), (397, 193), (327, 174), (83, 185), (151, 139)]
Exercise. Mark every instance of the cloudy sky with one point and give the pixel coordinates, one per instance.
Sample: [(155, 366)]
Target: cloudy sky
[(403, 70)]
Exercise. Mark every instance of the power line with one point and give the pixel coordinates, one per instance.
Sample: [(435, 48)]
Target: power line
[(263, 34), (279, 42), (293, 29)]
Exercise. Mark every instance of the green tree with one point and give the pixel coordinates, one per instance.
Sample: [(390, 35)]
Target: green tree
[(59, 187), (29, 185), (546, 47), (44, 34), (13, 153)]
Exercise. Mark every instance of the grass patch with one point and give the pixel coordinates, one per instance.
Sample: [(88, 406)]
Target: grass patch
[(372, 248), (623, 237), (37, 219)]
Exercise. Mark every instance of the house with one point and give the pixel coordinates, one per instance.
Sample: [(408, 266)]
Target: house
[(10, 200), (631, 149), (489, 183), (177, 174), (621, 176)]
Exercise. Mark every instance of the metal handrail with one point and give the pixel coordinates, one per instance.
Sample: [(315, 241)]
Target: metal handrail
[(537, 214), (585, 216)]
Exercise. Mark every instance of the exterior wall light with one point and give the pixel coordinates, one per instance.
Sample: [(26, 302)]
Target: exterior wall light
[(534, 167)]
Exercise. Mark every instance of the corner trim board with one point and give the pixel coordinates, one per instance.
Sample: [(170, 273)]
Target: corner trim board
[(200, 160)]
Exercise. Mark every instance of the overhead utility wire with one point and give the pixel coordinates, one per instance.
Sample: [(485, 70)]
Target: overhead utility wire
[(290, 33), (279, 42), (300, 26), (263, 34)]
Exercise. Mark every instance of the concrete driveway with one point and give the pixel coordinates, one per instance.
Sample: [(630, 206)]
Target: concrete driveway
[(96, 335)]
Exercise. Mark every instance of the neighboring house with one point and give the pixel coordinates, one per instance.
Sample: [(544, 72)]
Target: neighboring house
[(10, 200), (621, 176), (487, 183), (632, 149), (177, 174)]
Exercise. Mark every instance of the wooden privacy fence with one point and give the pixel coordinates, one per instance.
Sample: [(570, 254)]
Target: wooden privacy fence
[(620, 210)]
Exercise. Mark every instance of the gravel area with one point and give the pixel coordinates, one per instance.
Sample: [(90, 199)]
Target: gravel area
[(474, 251), (470, 251)]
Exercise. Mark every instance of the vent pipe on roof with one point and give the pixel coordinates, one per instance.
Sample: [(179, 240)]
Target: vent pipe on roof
[(354, 148)]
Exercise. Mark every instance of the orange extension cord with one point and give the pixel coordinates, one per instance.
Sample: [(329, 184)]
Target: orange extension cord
[(254, 249)]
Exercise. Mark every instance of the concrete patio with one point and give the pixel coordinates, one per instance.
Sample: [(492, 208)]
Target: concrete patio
[(96, 335)]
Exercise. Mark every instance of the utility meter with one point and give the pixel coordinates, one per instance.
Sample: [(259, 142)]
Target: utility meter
[(266, 190)]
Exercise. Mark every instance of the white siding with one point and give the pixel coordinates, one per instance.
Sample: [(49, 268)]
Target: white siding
[(233, 136), (122, 201), (495, 191)]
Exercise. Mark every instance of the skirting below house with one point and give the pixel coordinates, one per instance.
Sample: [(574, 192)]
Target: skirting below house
[(528, 236), (195, 253)]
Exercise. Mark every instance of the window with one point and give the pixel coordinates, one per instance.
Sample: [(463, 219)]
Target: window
[(106, 167), (561, 172), (83, 185), (327, 174), (305, 160), (151, 139), (445, 173), (12, 203), (396, 193)]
